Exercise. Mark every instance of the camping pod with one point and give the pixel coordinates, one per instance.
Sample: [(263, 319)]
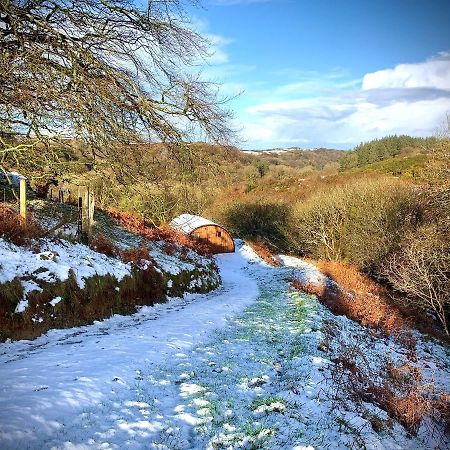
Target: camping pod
[(213, 235)]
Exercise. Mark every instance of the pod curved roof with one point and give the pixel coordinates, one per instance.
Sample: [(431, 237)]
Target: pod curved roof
[(187, 223)]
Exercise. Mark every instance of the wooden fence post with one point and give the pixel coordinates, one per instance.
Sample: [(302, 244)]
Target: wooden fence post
[(85, 212), (23, 199), (85, 222), (80, 214), (91, 208)]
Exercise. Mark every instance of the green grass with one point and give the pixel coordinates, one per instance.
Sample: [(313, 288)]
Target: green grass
[(265, 401), (402, 166)]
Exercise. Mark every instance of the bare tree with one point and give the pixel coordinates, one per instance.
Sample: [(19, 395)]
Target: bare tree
[(420, 270), (105, 72)]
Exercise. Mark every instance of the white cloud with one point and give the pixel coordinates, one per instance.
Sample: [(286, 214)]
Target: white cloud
[(218, 54), (409, 98), (312, 82), (434, 73)]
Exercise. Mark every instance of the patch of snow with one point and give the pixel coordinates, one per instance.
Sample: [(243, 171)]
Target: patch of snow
[(21, 306), (55, 301), (58, 258), (30, 286)]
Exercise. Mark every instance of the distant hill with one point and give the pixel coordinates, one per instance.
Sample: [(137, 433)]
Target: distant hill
[(298, 157)]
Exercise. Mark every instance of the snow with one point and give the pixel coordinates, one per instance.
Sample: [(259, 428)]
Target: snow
[(14, 177), (50, 381), (21, 306), (277, 151), (56, 260), (170, 263), (55, 301), (188, 223), (27, 286), (237, 368)]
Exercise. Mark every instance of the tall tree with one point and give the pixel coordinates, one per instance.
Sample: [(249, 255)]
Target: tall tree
[(107, 72)]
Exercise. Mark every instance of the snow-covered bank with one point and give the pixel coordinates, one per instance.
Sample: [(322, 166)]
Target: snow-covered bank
[(56, 283), (48, 382), (55, 261)]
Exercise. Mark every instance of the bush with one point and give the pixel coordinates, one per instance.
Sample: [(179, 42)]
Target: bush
[(421, 271), (267, 221), (358, 223)]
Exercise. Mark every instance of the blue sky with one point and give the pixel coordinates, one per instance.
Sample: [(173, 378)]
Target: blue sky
[(330, 73)]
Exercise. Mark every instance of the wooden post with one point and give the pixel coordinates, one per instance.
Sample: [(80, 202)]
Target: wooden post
[(80, 215), (85, 212), (23, 199), (91, 207), (85, 223)]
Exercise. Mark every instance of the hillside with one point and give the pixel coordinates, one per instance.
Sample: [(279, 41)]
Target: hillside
[(386, 148), (298, 158), (51, 280)]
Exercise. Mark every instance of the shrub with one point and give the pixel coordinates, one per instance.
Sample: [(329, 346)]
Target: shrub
[(421, 271), (400, 390), (266, 221), (359, 223), (136, 255)]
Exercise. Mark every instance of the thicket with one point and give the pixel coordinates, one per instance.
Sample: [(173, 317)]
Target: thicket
[(360, 222), (394, 231), (14, 230), (421, 270)]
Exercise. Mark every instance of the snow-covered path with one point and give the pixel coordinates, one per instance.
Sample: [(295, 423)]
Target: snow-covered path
[(243, 367), (48, 381)]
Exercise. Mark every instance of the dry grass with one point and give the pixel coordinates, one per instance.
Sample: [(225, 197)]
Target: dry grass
[(133, 255), (263, 251), (362, 299), (103, 245), (136, 255), (14, 230), (365, 308), (349, 277), (401, 391)]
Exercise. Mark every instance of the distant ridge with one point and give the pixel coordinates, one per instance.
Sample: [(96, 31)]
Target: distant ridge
[(286, 150)]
